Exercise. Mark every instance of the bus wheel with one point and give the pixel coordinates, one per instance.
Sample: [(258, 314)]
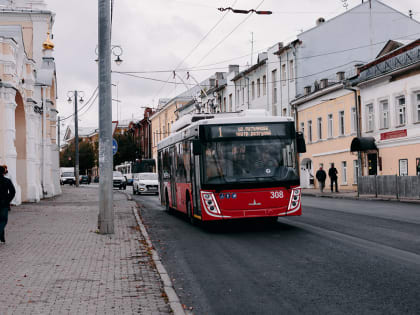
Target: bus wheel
[(167, 207)]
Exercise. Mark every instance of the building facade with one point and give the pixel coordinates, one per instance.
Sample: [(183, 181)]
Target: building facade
[(328, 120), (28, 142), (390, 110)]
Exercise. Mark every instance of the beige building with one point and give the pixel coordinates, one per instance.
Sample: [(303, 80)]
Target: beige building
[(328, 119), (28, 144), (163, 119)]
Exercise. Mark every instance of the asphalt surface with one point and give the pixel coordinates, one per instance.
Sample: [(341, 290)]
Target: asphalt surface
[(340, 257)]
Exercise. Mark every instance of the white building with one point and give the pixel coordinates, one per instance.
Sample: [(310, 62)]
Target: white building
[(390, 110), (28, 100)]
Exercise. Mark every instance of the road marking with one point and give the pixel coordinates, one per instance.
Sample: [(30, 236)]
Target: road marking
[(391, 252)]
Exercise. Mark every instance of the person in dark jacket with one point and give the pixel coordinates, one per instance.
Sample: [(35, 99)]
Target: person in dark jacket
[(332, 173), (7, 193), (321, 176)]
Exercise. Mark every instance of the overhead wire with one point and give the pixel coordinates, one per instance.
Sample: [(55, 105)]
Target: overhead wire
[(194, 48), (82, 107)]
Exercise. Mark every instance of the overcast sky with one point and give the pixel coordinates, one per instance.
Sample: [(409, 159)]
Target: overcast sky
[(157, 35)]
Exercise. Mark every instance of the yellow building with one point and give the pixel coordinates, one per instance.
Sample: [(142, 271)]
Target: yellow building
[(163, 119), (328, 119)]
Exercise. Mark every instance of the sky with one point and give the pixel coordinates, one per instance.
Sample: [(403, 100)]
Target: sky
[(160, 36)]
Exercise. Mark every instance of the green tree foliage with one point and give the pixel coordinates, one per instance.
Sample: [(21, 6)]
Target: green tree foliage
[(86, 156), (127, 148)]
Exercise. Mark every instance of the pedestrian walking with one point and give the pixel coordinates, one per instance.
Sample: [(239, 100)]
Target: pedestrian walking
[(332, 173), (321, 176), (7, 193)]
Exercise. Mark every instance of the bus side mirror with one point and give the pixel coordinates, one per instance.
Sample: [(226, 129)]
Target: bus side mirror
[(196, 147), (300, 142)]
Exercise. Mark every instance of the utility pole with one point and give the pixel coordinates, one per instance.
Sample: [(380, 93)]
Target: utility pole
[(252, 46), (106, 209), (76, 141), (58, 132)]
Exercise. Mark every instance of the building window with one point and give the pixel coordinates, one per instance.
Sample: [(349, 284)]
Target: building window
[(283, 74), (353, 119), (330, 126), (355, 171), (341, 123), (384, 108), (302, 128), (230, 102), (237, 97), (258, 87), (344, 173), (417, 106), (253, 89), (310, 131), (264, 85), (243, 95), (401, 111), (403, 167), (370, 117), (319, 128), (291, 70), (274, 83), (224, 104)]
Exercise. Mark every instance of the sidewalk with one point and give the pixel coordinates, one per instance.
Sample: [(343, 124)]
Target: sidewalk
[(352, 195), (54, 262)]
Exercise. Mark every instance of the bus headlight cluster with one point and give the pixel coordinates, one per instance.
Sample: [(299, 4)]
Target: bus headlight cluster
[(295, 198), (209, 202)]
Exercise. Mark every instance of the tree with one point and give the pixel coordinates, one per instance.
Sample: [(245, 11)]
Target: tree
[(127, 148), (86, 156)]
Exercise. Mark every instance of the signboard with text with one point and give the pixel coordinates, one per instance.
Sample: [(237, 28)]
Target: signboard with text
[(250, 130), (394, 134)]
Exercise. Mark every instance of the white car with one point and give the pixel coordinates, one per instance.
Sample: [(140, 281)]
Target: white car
[(118, 180), (145, 183)]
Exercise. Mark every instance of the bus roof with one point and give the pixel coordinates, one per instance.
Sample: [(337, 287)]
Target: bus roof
[(187, 125)]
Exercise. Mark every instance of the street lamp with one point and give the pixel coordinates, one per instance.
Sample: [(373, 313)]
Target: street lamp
[(245, 11), (116, 50), (74, 95)]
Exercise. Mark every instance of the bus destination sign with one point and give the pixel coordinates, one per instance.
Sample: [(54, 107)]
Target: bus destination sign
[(256, 130)]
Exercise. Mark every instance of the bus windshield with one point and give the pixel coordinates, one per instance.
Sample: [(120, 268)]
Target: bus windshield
[(248, 160)]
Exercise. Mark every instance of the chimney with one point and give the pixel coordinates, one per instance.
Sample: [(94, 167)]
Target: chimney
[(319, 21), (340, 75), (234, 68), (324, 83), (307, 90), (212, 82)]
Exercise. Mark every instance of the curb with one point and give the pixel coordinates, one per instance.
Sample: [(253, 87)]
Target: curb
[(360, 198), (168, 287)]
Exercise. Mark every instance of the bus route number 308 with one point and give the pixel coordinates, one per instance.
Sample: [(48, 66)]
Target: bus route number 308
[(276, 194)]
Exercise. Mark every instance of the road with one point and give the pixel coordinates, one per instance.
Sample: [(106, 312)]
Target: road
[(340, 257)]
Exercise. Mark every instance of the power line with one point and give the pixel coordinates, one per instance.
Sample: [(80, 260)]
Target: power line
[(194, 48), (204, 85), (81, 108), (300, 58)]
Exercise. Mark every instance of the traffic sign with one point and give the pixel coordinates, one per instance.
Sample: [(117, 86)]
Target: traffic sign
[(114, 146)]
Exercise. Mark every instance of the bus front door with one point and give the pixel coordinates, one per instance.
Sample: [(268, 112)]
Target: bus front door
[(172, 179)]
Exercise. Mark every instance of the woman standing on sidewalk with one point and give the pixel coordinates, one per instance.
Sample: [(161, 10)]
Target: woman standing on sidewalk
[(7, 193)]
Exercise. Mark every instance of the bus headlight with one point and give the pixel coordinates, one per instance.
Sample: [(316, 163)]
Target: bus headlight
[(209, 202), (295, 198)]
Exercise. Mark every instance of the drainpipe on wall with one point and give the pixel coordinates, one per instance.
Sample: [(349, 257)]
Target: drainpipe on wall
[(44, 137), (280, 87), (248, 90), (358, 132)]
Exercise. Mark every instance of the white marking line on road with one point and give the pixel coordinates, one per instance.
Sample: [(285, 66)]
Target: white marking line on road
[(174, 302), (394, 253)]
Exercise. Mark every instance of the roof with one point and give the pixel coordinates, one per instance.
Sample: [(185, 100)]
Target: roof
[(250, 69)]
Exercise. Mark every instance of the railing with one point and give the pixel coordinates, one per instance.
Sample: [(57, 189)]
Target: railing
[(390, 185)]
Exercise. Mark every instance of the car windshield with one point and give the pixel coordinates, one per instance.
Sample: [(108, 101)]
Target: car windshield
[(240, 161), (67, 174), (147, 176), (117, 174)]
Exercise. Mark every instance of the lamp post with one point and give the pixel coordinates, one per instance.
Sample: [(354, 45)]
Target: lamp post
[(106, 209), (75, 95)]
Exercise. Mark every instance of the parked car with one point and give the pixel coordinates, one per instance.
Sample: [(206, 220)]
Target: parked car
[(84, 179), (145, 183), (67, 178), (119, 180)]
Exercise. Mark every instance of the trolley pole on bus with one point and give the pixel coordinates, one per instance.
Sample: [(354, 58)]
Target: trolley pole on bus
[(106, 209)]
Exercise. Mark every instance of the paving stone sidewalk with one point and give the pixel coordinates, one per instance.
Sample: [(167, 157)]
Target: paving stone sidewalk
[(55, 263)]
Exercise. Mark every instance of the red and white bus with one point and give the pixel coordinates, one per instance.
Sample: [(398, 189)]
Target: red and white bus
[(229, 166)]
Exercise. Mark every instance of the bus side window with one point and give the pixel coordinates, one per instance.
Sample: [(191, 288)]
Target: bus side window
[(166, 165)]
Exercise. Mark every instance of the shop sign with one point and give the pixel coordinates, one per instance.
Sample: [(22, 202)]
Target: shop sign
[(394, 134)]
